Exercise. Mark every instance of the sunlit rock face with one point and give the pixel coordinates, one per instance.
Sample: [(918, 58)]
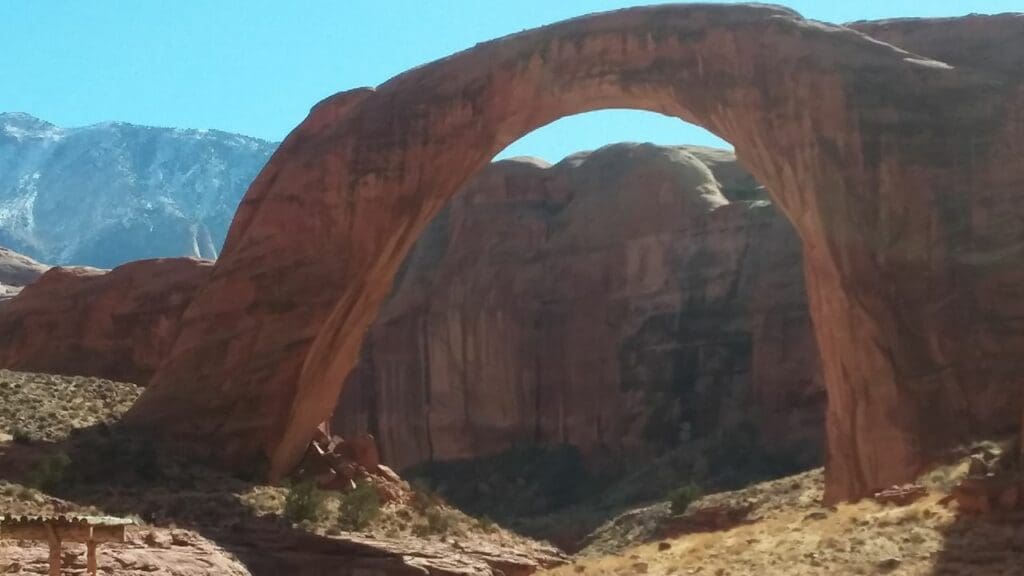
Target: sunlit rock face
[(623, 301), (116, 324), (901, 174), (110, 193)]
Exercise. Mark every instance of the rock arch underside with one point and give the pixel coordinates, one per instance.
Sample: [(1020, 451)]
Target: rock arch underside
[(900, 167)]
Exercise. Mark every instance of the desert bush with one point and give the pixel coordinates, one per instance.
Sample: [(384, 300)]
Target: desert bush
[(359, 508), (681, 498), (423, 496), (304, 502), (50, 472), (486, 524), (21, 436), (439, 520)]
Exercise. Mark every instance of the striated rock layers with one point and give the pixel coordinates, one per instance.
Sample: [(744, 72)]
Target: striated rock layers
[(116, 324), (900, 172), (619, 301)]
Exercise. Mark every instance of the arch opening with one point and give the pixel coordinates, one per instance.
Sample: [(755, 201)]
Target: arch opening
[(621, 308), (592, 130)]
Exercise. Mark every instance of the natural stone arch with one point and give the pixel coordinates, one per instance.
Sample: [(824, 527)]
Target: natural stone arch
[(862, 145)]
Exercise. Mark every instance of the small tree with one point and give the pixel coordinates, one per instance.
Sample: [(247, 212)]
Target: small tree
[(359, 508), (303, 502), (681, 498)]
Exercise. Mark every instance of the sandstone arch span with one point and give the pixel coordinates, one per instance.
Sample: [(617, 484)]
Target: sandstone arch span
[(899, 173)]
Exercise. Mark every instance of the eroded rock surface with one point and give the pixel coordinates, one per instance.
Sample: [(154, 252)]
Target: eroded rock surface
[(116, 324), (616, 301), (901, 174)]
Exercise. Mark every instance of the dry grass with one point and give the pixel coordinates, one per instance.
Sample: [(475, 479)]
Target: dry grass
[(39, 414), (792, 535), (46, 407)]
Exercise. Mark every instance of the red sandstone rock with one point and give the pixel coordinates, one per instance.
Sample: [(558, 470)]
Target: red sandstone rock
[(982, 495), (614, 301), (84, 321), (900, 173)]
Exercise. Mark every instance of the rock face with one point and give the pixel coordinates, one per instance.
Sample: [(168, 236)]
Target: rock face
[(110, 193), (16, 272), (90, 322), (617, 301), (901, 174)]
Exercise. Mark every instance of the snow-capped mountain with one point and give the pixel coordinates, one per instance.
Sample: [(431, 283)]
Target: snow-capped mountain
[(109, 193)]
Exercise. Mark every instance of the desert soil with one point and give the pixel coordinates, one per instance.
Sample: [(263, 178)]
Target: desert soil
[(191, 520)]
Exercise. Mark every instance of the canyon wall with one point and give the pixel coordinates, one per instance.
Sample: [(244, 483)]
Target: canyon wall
[(622, 301)]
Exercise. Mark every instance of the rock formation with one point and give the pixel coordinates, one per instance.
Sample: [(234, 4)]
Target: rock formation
[(16, 272), (900, 173), (615, 301), (90, 322)]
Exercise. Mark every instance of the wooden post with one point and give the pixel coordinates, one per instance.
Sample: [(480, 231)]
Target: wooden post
[(55, 560), (90, 555)]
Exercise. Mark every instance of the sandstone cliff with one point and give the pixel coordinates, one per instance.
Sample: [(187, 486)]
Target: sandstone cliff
[(90, 322), (617, 301)]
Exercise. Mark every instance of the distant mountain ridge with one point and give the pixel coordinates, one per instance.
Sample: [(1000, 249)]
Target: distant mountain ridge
[(113, 192)]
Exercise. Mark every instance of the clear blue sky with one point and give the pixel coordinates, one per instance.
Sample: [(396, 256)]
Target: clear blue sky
[(256, 66)]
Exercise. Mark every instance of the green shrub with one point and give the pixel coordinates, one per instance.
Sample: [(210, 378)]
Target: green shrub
[(439, 521), (681, 498), (423, 495), (359, 508), (21, 436), (50, 472), (486, 524), (304, 502)]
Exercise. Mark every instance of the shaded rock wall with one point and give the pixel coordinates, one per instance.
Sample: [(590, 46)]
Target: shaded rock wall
[(116, 324), (616, 301)]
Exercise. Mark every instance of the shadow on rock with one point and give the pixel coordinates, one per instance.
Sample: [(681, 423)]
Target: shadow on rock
[(162, 485)]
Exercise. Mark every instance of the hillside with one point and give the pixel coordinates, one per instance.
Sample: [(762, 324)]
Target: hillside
[(109, 193)]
